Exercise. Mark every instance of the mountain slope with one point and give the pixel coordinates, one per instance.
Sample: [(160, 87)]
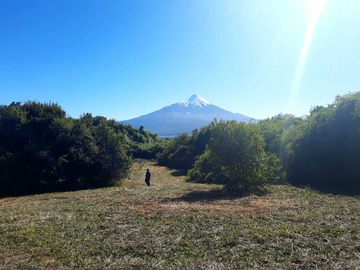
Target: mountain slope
[(184, 117)]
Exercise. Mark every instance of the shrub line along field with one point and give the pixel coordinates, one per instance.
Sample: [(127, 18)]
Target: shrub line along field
[(174, 224)]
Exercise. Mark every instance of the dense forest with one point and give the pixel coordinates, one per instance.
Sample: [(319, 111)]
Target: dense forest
[(43, 150)]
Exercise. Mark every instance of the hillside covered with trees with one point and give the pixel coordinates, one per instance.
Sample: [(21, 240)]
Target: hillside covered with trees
[(43, 150)]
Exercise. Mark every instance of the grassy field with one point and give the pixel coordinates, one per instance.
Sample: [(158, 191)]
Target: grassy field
[(178, 225)]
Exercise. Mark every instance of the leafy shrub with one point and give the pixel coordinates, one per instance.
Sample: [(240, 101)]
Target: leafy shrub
[(235, 155)]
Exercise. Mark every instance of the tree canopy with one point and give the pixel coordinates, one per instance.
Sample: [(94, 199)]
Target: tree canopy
[(327, 153), (43, 150)]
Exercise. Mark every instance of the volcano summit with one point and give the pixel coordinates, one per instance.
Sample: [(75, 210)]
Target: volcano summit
[(183, 117)]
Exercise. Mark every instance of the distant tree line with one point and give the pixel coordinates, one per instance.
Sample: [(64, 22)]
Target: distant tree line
[(321, 150), (43, 150)]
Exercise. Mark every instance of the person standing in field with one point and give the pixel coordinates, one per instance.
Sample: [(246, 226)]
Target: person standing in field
[(147, 177)]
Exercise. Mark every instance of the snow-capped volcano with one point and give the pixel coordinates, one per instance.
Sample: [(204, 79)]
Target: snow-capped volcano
[(195, 100), (184, 117)]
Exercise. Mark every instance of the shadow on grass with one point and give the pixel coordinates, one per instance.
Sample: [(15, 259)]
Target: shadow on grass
[(204, 196), (344, 191), (179, 173)]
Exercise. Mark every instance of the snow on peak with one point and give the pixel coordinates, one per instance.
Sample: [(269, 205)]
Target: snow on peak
[(195, 100)]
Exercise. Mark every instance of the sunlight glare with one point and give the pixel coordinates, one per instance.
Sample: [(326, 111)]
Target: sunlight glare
[(315, 9)]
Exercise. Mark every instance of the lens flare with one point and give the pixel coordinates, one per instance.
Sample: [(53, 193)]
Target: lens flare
[(315, 9)]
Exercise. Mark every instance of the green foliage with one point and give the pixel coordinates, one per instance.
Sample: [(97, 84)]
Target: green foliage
[(207, 170), (30, 154), (111, 160), (42, 150), (178, 154), (182, 151), (274, 130), (235, 154), (326, 154), (321, 150), (280, 133), (141, 143)]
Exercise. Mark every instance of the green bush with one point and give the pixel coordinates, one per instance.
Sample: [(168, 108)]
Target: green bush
[(235, 155)]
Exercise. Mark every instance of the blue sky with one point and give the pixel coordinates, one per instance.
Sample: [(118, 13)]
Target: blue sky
[(123, 59)]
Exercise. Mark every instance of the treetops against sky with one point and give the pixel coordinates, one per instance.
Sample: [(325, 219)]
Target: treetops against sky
[(122, 59)]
